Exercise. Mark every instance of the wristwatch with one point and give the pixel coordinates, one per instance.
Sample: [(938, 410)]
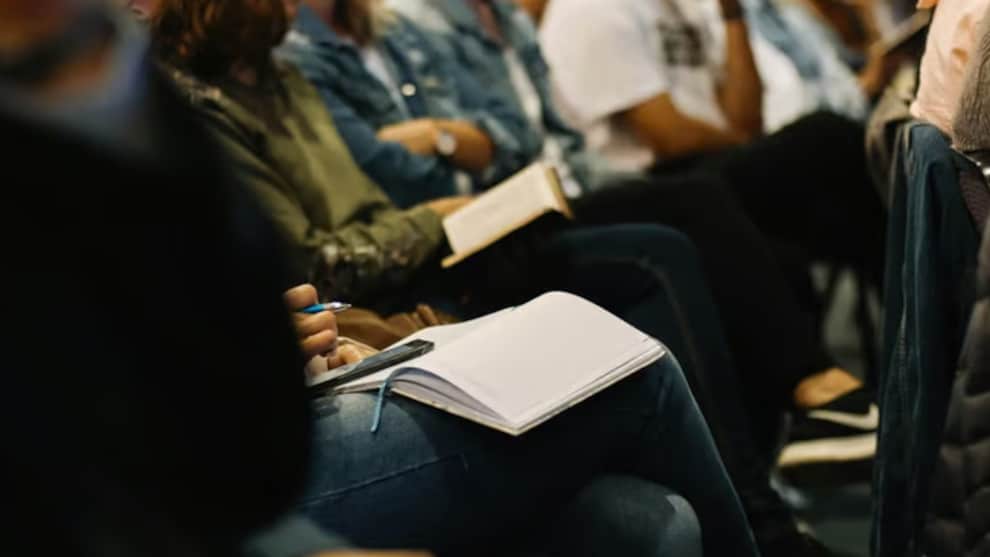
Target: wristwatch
[(446, 144)]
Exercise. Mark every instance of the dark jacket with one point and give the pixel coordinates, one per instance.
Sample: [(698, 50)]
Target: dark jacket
[(152, 399), (931, 251), (958, 523), (343, 229)]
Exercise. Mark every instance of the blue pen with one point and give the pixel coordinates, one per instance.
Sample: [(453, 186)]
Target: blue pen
[(335, 307)]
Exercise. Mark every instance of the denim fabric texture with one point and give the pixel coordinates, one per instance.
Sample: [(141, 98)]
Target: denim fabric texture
[(292, 536), (458, 30), (429, 479), (931, 257), (431, 85)]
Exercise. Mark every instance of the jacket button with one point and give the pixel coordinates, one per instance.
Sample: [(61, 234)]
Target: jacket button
[(408, 90)]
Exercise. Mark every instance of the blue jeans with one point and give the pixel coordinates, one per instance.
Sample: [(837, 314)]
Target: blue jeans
[(652, 277), (429, 479)]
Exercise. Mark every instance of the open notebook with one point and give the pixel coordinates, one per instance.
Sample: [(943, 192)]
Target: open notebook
[(518, 201), (517, 368)]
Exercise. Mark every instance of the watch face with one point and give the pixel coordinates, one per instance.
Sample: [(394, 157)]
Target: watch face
[(446, 144)]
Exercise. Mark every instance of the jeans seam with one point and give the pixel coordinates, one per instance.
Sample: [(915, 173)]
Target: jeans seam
[(370, 482)]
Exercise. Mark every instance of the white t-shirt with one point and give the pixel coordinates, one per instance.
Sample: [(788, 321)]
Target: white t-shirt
[(610, 55)]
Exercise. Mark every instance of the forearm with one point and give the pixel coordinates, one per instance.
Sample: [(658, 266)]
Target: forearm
[(359, 260), (475, 150), (741, 95), (671, 134), (692, 141)]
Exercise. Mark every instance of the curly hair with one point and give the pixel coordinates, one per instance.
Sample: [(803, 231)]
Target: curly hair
[(208, 37)]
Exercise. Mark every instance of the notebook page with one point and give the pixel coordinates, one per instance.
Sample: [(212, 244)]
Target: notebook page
[(653, 352), (538, 355), (440, 336)]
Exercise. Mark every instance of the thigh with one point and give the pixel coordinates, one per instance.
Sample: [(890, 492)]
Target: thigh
[(754, 293), (429, 479), (809, 183), (625, 515)]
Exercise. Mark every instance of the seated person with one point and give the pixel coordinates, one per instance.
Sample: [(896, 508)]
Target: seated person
[(970, 132), (805, 67), (744, 277), (199, 437), (166, 422), (442, 135), (687, 95), (952, 38)]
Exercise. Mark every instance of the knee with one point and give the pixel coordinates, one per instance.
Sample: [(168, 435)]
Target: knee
[(624, 515), (680, 533), (659, 245)]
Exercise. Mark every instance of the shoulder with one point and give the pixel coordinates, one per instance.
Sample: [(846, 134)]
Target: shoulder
[(198, 93), (424, 12), (212, 107)]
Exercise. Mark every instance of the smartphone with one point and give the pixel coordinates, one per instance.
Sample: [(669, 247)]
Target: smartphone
[(320, 384)]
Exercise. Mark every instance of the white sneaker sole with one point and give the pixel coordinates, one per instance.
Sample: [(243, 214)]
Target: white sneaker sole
[(858, 447)]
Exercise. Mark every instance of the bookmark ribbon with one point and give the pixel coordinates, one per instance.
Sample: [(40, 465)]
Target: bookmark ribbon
[(383, 393)]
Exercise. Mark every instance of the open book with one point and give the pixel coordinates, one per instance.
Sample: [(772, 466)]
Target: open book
[(507, 207), (517, 368)]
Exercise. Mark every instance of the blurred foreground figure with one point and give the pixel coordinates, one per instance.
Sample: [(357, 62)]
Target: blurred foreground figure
[(139, 418)]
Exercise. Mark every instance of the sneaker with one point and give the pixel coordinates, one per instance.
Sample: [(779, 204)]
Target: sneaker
[(842, 432)]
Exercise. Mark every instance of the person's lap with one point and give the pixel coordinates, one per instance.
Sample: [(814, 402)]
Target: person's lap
[(428, 479)]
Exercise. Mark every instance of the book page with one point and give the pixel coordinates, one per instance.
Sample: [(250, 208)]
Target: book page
[(503, 209)]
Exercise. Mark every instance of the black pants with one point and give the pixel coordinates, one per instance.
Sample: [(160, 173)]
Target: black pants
[(758, 215)]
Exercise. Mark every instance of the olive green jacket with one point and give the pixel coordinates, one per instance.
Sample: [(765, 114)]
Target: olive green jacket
[(282, 142)]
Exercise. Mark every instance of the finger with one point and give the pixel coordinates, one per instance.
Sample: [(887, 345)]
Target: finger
[(320, 343), (318, 322), (301, 297), (347, 354), (350, 354)]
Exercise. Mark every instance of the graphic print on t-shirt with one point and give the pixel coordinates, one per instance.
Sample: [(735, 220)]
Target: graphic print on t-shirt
[(681, 39), (682, 44)]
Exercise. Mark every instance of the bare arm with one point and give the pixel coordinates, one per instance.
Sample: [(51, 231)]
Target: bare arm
[(671, 134), (475, 150), (741, 95)]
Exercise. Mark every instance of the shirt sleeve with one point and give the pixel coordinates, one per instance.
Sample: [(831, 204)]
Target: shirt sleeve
[(516, 143), (355, 261), (604, 55), (406, 177)]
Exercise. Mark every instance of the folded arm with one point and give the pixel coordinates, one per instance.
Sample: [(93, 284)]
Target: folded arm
[(381, 251)]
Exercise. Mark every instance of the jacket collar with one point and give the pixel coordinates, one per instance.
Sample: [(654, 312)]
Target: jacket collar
[(309, 25)]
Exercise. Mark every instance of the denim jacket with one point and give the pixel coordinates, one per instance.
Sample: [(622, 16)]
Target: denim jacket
[(432, 87), (456, 24), (932, 247)]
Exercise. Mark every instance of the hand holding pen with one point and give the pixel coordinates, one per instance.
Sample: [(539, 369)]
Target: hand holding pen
[(315, 323)]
